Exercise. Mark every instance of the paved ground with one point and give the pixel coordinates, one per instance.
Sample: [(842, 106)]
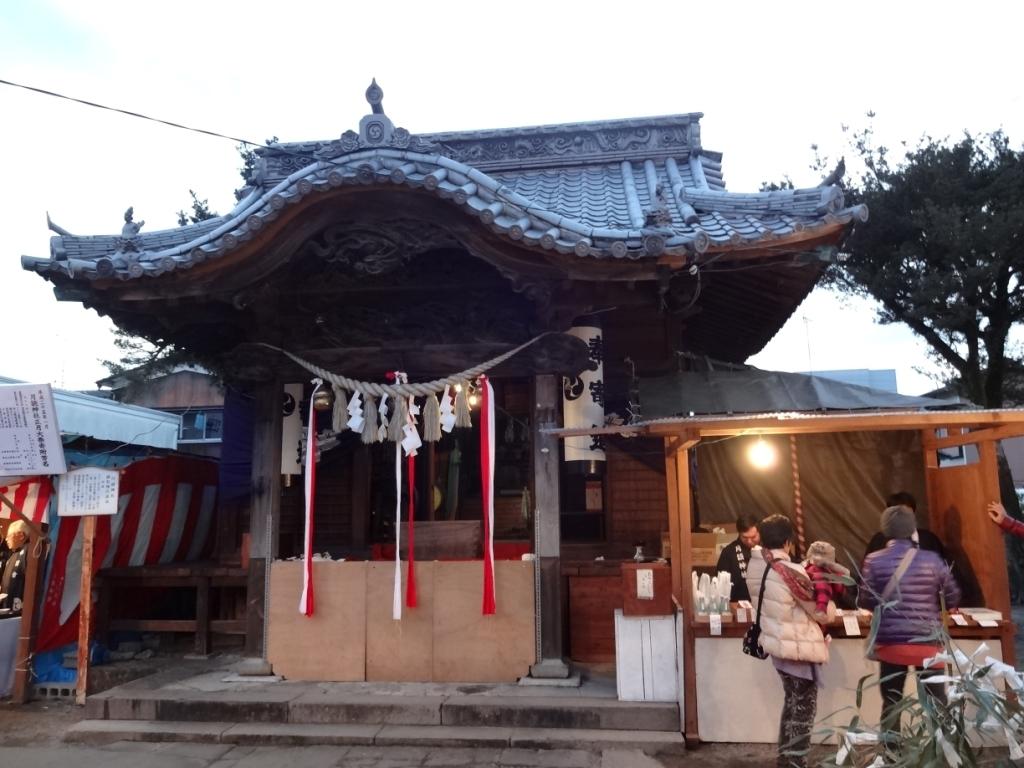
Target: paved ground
[(139, 755), (31, 737)]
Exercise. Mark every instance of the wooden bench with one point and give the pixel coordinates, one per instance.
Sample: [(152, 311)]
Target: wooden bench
[(204, 578)]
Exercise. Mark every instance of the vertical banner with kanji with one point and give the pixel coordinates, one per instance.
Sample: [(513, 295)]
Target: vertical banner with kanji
[(583, 399)]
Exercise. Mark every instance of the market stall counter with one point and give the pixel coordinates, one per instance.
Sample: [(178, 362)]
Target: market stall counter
[(736, 693)]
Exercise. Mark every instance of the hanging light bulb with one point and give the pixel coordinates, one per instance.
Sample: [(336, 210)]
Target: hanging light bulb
[(472, 399), (458, 387), (761, 454)]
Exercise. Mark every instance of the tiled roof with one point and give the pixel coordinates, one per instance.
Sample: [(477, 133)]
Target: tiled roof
[(622, 189)]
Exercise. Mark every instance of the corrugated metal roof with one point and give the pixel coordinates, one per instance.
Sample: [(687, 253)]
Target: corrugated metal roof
[(103, 419)]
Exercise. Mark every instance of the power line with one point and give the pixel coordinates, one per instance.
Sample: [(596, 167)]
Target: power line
[(141, 116)]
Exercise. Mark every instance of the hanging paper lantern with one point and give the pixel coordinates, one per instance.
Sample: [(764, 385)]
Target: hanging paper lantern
[(583, 398)]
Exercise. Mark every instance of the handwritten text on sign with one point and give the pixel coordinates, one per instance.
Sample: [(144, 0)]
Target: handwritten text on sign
[(29, 435), (88, 491)]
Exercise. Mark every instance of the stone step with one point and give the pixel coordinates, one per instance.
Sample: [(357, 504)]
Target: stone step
[(305, 734), (318, 707)]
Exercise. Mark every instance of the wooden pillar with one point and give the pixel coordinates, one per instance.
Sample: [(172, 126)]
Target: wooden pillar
[(361, 467), (987, 550), (265, 509), (547, 532), (931, 466), (36, 553), (85, 608), (680, 513), (202, 642)]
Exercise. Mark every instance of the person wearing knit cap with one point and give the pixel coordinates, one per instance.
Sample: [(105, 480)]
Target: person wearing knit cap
[(908, 588), (925, 539), (825, 573), (899, 522)]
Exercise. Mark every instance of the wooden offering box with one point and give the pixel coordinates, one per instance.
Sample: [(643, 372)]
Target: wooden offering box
[(646, 589)]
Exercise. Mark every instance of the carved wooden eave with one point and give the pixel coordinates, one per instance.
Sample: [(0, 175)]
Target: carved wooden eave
[(614, 191), (572, 218)]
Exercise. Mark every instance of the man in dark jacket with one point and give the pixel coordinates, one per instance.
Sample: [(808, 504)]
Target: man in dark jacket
[(734, 557), (925, 538), (910, 587), (12, 568)]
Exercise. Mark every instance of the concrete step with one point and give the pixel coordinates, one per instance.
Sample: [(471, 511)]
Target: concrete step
[(296, 706), (304, 734)]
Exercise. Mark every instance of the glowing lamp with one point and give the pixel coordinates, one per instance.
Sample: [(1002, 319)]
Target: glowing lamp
[(323, 399), (762, 455)]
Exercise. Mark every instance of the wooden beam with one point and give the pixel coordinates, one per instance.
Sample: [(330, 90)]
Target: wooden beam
[(547, 547), (1004, 432), (85, 608), (677, 481), (34, 529), (684, 442), (990, 568), (675, 537), (361, 468), (784, 424), (931, 467), (265, 505), (35, 550)]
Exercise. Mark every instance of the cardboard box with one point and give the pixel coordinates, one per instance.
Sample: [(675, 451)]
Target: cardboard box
[(705, 548)]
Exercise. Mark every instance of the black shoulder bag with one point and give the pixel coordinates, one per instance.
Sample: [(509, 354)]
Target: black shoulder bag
[(752, 639)]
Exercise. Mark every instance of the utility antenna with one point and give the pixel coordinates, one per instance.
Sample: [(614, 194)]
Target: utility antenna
[(807, 337)]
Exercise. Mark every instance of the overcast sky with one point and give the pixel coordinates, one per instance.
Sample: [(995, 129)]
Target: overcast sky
[(771, 79)]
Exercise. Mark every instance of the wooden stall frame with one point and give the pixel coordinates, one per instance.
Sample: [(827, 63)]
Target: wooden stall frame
[(980, 427), (21, 692)]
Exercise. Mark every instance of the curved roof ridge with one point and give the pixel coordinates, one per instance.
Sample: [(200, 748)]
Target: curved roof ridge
[(496, 203)]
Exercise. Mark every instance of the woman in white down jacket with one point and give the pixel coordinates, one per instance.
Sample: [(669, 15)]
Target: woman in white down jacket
[(790, 634)]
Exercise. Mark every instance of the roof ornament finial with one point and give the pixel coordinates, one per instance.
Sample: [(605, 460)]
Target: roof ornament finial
[(375, 97), (375, 130), (658, 215), (837, 174), (55, 227), (128, 241)]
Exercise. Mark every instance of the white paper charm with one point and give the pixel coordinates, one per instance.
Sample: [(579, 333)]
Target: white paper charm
[(447, 410), (382, 411), (355, 412), (411, 442)]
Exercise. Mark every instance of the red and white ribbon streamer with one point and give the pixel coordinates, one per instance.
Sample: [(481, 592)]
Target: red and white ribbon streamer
[(410, 579), (487, 488), (306, 600), (396, 603)]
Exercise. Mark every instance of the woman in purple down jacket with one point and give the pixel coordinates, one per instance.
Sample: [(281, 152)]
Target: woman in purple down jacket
[(912, 611)]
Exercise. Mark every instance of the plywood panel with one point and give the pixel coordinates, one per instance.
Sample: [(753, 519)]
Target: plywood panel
[(592, 604), (399, 650), (959, 496), (330, 644), (469, 646)]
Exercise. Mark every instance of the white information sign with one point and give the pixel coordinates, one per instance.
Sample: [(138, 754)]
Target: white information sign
[(29, 435), (645, 584), (88, 491)]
